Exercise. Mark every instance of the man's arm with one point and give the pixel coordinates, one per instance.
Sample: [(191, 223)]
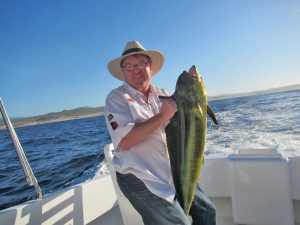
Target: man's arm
[(142, 130)]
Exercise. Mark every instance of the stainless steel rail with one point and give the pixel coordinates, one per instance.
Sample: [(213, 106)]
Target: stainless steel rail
[(30, 178)]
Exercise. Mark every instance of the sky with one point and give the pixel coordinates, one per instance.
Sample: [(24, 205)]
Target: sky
[(54, 53)]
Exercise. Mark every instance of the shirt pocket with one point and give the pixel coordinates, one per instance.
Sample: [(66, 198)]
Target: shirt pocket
[(139, 112)]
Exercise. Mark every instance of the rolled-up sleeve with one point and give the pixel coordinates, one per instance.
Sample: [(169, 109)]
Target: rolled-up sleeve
[(117, 117)]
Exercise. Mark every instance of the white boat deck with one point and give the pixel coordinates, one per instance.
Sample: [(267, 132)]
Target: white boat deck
[(248, 189), (114, 217)]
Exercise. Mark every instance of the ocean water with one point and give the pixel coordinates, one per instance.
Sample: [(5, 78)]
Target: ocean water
[(64, 153), (58, 153), (260, 121)]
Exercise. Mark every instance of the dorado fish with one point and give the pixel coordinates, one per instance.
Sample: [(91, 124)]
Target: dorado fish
[(186, 134)]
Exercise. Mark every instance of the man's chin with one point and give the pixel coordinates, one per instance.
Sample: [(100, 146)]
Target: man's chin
[(140, 79), (142, 86)]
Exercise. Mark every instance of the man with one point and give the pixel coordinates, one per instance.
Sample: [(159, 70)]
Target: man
[(136, 121)]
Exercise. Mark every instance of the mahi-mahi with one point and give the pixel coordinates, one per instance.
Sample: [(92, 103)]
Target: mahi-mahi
[(186, 135)]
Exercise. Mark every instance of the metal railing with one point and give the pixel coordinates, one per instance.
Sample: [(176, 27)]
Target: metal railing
[(30, 178)]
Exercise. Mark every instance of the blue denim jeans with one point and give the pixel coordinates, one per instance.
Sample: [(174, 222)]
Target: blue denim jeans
[(157, 211)]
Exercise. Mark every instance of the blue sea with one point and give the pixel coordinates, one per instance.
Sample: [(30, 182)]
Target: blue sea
[(62, 154)]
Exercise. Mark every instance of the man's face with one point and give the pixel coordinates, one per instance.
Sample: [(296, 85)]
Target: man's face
[(137, 78)]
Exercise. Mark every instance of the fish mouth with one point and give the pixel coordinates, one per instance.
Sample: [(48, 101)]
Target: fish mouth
[(193, 71)]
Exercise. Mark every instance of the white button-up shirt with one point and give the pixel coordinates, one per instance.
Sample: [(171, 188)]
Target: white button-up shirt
[(149, 160)]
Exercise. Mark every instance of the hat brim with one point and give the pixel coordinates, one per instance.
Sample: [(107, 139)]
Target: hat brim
[(157, 61)]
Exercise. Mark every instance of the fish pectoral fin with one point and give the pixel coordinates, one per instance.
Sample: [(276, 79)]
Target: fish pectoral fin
[(212, 115)]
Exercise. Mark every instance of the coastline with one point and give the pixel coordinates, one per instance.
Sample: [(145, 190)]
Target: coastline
[(60, 119), (258, 92)]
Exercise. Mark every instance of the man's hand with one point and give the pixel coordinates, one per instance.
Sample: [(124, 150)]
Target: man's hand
[(168, 108)]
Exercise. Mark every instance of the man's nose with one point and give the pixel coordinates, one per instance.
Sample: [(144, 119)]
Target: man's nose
[(136, 69)]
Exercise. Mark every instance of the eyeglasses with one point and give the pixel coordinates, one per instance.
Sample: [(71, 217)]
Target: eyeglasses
[(130, 67)]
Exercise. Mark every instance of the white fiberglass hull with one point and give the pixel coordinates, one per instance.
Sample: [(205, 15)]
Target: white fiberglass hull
[(246, 189)]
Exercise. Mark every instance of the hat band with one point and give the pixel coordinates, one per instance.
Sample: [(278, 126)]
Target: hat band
[(132, 50)]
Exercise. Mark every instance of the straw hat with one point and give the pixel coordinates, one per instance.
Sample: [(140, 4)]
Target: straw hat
[(132, 48)]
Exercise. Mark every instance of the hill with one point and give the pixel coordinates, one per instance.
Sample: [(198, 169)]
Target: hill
[(77, 113)]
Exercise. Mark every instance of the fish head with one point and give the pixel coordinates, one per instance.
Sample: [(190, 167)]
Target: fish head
[(190, 86)]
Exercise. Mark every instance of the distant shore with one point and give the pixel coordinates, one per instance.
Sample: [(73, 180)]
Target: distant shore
[(85, 112), (24, 122), (266, 91)]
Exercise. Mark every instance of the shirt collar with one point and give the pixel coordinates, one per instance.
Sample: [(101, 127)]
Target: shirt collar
[(134, 92)]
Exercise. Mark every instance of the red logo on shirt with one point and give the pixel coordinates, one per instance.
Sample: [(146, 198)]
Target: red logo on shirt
[(114, 125), (130, 100)]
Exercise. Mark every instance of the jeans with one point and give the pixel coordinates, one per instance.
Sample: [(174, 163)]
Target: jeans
[(157, 211)]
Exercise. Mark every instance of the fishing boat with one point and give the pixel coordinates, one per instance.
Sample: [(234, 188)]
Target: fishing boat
[(258, 186), (251, 187)]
